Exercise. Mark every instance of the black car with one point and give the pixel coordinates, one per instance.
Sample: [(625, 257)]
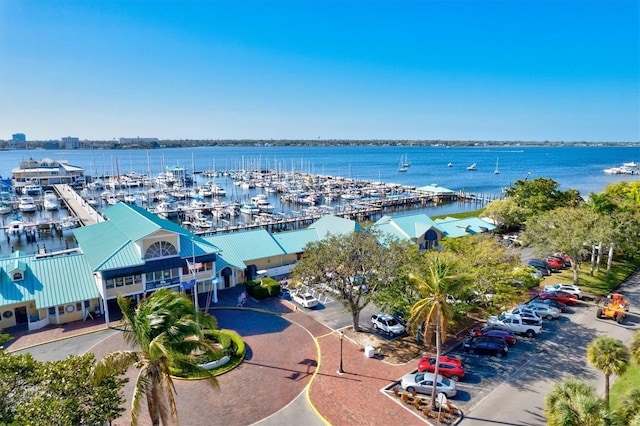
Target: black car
[(487, 345), (541, 265)]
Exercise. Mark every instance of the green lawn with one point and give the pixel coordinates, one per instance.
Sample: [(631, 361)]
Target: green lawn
[(601, 282), (623, 385)]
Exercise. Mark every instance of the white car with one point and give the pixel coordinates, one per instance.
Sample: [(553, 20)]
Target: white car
[(544, 310), (387, 323), (526, 313), (306, 300), (567, 288)]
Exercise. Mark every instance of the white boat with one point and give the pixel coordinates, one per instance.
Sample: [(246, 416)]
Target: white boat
[(5, 208), (130, 198), (15, 227), (404, 164), (26, 204), (167, 209), (472, 167), (450, 164), (249, 208), (50, 201), (497, 170), (263, 204)]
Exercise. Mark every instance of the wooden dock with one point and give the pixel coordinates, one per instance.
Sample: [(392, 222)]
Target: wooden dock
[(78, 207)]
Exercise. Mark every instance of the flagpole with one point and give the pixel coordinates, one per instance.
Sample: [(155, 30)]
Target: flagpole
[(193, 271)]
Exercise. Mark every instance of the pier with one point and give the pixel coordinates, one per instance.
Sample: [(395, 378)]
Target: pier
[(77, 206)]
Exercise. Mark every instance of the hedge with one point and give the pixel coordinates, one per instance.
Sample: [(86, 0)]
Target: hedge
[(263, 288)]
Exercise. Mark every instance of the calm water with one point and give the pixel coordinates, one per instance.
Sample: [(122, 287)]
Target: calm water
[(573, 167)]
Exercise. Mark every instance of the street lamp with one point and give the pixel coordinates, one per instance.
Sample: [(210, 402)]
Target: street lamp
[(341, 370)]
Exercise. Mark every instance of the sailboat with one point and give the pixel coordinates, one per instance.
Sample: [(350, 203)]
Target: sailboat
[(404, 164), (497, 170)]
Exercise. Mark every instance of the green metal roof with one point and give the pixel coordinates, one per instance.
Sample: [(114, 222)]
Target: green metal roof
[(111, 244), (453, 227), (334, 225), (406, 227), (295, 241), (50, 281), (248, 245)]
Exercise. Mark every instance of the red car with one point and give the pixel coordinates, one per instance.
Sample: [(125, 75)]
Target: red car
[(452, 368), (554, 263), (506, 335), (560, 296)]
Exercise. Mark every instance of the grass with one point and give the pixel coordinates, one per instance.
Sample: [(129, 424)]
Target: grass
[(623, 385), (600, 283), (461, 215)]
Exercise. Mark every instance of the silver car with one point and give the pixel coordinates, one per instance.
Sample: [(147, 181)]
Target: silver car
[(544, 310), (423, 383)]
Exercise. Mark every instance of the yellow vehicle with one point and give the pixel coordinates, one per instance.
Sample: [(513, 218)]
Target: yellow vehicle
[(615, 308)]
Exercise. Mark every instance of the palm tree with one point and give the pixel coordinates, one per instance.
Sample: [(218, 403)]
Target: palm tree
[(166, 330), (610, 356), (574, 403), (438, 276)]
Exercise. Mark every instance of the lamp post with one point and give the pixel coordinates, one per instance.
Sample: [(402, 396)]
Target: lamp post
[(341, 370)]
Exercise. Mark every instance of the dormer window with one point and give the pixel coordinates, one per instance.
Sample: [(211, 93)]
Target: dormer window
[(17, 276), (160, 249)]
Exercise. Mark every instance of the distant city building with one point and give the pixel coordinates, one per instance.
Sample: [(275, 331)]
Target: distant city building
[(51, 145), (70, 142), (139, 140), (18, 141)]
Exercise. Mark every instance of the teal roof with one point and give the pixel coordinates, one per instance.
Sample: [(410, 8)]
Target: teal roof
[(248, 245), (453, 227), (406, 227), (334, 225), (50, 281), (112, 245), (295, 241)]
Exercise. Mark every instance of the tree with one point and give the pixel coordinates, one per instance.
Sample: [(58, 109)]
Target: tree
[(168, 332), (58, 392), (570, 230), (610, 356), (574, 403), (541, 194), (498, 275), (353, 266), (507, 213), (437, 275)]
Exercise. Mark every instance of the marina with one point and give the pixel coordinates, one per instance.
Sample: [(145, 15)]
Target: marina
[(353, 182)]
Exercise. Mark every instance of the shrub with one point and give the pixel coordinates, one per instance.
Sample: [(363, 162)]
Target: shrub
[(263, 288), (260, 292)]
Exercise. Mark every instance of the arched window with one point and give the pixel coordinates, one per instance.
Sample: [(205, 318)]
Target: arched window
[(160, 249), (17, 276)]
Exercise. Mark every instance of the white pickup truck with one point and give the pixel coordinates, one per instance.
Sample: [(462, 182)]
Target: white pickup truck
[(516, 324)]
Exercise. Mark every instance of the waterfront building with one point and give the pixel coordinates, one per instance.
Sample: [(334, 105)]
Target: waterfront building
[(45, 173), (135, 252)]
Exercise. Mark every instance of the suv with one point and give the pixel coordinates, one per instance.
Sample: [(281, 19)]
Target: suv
[(490, 345), (388, 324), (452, 368)]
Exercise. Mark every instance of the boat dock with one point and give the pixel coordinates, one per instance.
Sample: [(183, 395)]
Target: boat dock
[(78, 207)]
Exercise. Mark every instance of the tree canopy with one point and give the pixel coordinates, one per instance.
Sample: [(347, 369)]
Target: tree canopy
[(352, 266), (59, 392)]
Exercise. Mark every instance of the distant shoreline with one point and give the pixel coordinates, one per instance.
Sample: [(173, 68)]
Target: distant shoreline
[(190, 143)]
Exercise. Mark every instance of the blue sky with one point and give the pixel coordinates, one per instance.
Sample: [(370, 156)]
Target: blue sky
[(452, 70)]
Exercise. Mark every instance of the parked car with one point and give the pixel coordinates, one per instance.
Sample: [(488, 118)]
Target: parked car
[(500, 333), (565, 258), (560, 296), (544, 310), (567, 288), (452, 368), (540, 264), (387, 323), (553, 303), (306, 300), (423, 383), (554, 263), (488, 345), (526, 314)]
